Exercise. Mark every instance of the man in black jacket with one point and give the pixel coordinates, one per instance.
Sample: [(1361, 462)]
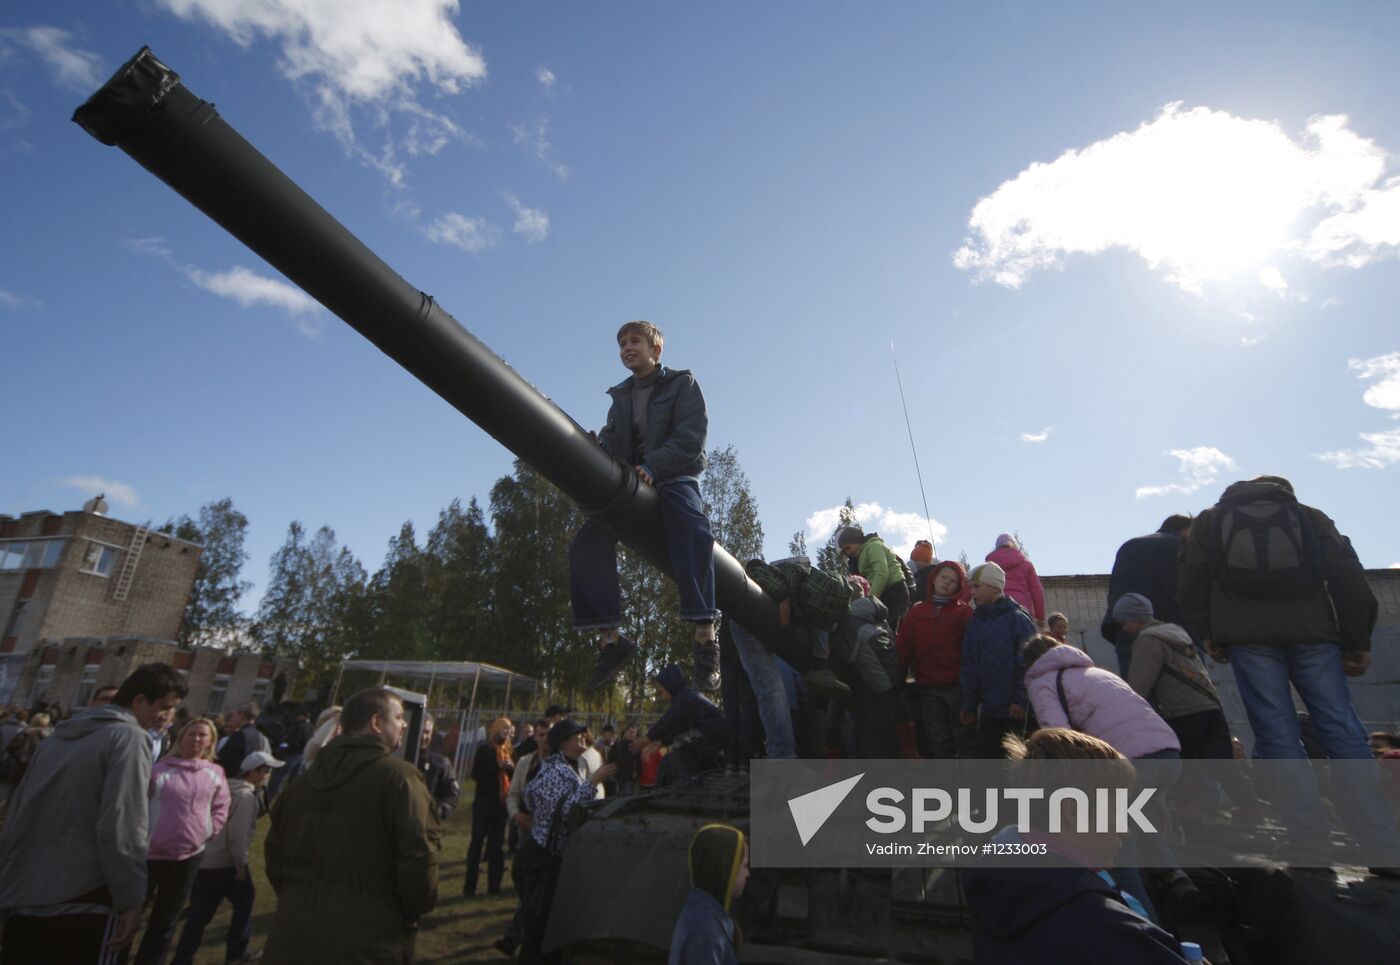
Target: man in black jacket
[(437, 774), (1146, 565)]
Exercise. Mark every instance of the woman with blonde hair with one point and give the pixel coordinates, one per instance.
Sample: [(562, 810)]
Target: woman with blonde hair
[(492, 768), (189, 805), (327, 727)]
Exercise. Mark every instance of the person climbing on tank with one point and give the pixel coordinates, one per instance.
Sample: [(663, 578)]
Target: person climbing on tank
[(692, 727), (657, 425)]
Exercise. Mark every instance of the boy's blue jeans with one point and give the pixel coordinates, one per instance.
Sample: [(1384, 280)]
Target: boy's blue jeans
[(593, 585), (1263, 674), (211, 887)]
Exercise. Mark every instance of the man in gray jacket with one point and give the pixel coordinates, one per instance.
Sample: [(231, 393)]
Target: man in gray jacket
[(74, 848)]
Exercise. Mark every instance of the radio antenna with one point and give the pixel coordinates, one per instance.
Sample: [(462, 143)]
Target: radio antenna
[(910, 428)]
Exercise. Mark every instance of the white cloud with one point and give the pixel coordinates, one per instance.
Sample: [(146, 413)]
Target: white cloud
[(534, 137), (250, 289), (1198, 468), (1332, 302), (530, 222), (1272, 279), (1199, 195), (1365, 233), (117, 492), (1382, 448), (470, 234), (1040, 436), (546, 77), (1385, 394), (900, 531), (1395, 566), (242, 285), (1249, 341), (360, 61), (73, 67), (16, 302)]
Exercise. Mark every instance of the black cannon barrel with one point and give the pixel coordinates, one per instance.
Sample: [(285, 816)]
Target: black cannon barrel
[(148, 113)]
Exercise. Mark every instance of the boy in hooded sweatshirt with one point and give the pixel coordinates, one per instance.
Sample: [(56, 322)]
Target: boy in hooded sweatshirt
[(930, 640), (989, 674), (719, 869), (1167, 671), (1022, 581), (693, 726)]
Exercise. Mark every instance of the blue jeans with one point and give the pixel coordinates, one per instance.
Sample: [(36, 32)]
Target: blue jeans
[(593, 585), (1263, 674), (766, 674), (211, 887)]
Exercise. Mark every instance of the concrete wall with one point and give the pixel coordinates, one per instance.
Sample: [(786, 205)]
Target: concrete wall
[(1376, 696)]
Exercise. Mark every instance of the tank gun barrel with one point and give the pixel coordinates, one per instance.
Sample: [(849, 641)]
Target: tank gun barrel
[(147, 112)]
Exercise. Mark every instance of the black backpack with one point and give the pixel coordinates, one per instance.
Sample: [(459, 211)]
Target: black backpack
[(1265, 546)]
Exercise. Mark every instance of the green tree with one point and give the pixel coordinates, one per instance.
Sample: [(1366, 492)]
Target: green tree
[(301, 611), (459, 573), (797, 546), (399, 599), (729, 503), (212, 612), (829, 556), (533, 524)]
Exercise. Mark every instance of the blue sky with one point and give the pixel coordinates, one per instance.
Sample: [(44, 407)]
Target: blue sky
[(1126, 254)]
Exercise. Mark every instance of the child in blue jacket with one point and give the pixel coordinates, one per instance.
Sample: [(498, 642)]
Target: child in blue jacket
[(991, 676), (657, 425), (719, 869)]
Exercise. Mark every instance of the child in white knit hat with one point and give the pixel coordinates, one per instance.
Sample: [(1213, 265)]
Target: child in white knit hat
[(991, 676)]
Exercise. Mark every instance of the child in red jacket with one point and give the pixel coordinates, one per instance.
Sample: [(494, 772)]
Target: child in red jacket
[(930, 639)]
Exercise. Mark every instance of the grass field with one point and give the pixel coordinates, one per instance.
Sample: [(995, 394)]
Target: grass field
[(459, 929)]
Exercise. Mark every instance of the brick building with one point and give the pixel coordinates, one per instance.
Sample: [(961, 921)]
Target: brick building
[(85, 574), (1377, 698), (85, 599)]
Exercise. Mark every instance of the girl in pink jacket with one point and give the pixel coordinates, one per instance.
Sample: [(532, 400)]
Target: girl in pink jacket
[(189, 804), (1022, 582)]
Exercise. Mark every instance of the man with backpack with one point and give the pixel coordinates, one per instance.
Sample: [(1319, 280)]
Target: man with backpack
[(1273, 589)]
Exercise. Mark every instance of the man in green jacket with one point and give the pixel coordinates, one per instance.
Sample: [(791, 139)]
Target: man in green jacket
[(353, 848), (881, 567), (1272, 588)]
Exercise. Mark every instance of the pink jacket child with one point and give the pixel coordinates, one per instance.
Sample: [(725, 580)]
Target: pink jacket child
[(1100, 704), (189, 804), (1022, 582)]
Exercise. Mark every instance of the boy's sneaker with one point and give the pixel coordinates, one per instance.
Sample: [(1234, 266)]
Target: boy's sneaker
[(611, 659), (823, 683), (704, 671)]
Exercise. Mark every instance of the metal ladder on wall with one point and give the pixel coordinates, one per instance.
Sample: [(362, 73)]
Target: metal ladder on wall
[(133, 556)]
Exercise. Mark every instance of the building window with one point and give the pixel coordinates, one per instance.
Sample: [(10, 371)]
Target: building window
[(16, 622), (39, 554), (87, 683), (41, 685), (218, 690), (260, 691), (98, 559)]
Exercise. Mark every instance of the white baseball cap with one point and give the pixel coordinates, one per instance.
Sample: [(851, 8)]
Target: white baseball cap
[(259, 759)]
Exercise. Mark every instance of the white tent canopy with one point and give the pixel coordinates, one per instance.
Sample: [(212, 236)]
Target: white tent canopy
[(432, 671)]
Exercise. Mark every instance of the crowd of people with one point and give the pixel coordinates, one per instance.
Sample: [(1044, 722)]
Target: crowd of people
[(135, 804)]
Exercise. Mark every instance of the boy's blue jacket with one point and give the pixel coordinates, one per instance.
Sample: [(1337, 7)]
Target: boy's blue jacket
[(704, 934), (676, 426), (991, 674), (689, 709)]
